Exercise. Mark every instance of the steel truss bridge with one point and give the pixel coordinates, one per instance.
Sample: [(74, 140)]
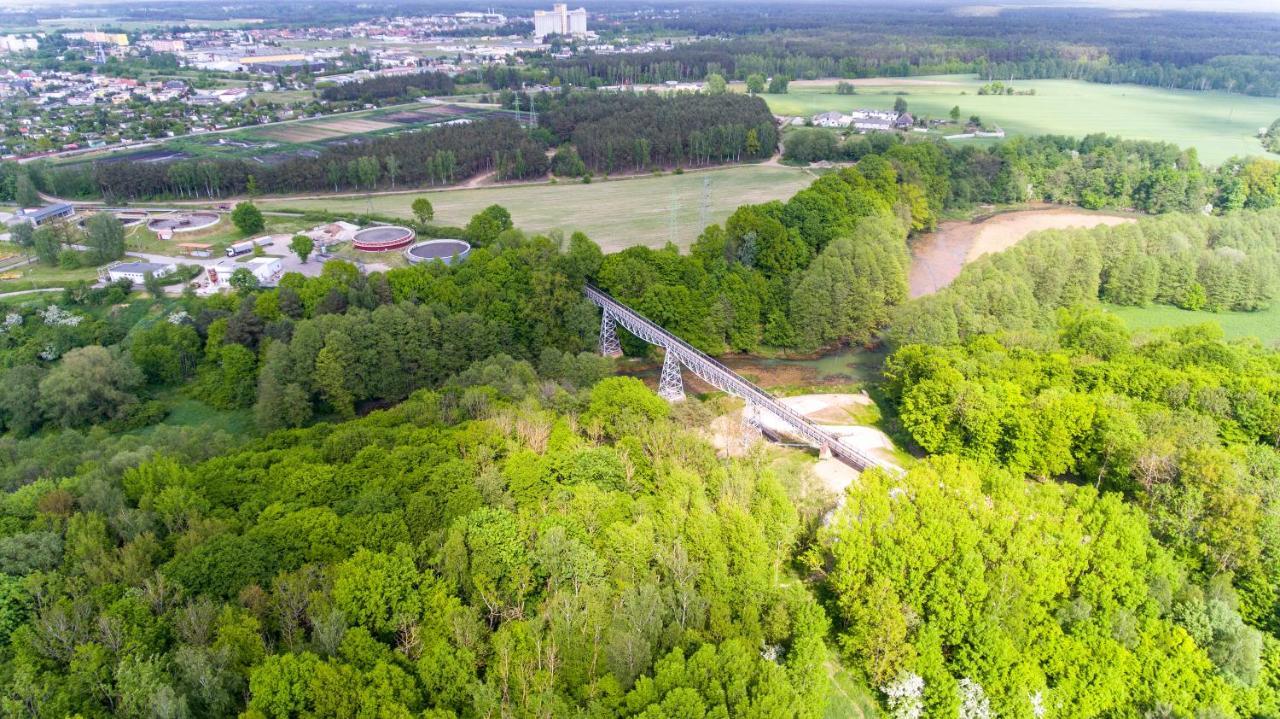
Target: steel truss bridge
[(681, 354)]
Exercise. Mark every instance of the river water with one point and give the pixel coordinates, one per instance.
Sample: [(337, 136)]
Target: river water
[(936, 260)]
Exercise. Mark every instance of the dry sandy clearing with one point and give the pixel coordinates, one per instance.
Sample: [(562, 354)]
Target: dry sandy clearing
[(938, 257)]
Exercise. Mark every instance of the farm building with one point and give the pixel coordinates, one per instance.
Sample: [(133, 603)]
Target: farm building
[(135, 272), (864, 120), (831, 119)]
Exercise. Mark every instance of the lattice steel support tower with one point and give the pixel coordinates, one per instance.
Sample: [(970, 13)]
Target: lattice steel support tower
[(681, 355), (609, 344), (671, 386), (751, 425)]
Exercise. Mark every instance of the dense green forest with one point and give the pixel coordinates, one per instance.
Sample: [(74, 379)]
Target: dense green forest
[(1181, 424), (481, 551), (441, 155), (1234, 52), (628, 131)]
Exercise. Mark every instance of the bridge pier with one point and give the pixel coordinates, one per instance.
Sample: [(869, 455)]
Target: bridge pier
[(824, 451), (751, 425), (609, 344), (671, 386)]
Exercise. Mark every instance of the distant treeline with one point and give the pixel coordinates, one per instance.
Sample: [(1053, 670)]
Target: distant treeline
[(440, 155), (1180, 38), (1248, 74), (1182, 50), (379, 88), (628, 131), (1095, 172), (806, 56)]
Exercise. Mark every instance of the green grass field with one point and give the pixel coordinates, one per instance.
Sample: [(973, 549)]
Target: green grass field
[(1264, 325), (616, 214), (289, 137), (1218, 125), (849, 698), (38, 276), (187, 412)]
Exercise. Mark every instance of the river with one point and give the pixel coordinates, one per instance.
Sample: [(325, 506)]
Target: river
[(936, 260)]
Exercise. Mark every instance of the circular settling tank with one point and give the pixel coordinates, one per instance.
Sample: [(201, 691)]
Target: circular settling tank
[(382, 238), (447, 251), (128, 218), (184, 221)]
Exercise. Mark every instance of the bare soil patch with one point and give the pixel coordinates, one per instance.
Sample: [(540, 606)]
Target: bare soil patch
[(939, 256), (1004, 231)]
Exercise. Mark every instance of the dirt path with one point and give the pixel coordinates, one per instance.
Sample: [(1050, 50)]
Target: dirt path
[(937, 258), (478, 180), (876, 82)]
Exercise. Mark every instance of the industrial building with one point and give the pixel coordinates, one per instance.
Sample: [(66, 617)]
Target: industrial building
[(560, 20), (265, 269), (135, 272), (41, 215)]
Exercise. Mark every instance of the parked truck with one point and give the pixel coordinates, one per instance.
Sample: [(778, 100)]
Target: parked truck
[(246, 246)]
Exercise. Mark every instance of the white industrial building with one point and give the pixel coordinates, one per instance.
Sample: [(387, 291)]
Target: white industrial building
[(265, 269), (560, 20), (135, 272)]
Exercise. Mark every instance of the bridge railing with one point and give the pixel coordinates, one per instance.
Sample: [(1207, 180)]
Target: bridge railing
[(726, 379)]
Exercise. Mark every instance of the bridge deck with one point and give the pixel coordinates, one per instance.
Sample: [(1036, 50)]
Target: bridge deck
[(729, 381)]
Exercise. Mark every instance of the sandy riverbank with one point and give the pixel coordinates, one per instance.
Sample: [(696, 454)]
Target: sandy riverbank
[(939, 256)]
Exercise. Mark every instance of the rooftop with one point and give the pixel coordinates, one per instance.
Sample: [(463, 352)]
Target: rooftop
[(141, 267), (40, 213)]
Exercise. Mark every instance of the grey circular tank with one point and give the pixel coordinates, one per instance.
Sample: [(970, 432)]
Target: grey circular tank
[(447, 251)]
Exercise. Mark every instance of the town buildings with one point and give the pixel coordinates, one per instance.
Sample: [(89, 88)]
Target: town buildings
[(560, 20)]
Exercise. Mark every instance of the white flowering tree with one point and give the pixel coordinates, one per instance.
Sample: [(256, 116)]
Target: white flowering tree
[(905, 697)]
